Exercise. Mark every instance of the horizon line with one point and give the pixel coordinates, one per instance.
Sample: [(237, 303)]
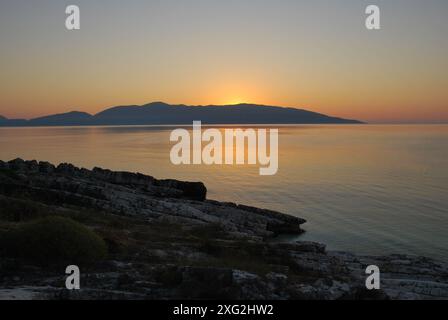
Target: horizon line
[(370, 122)]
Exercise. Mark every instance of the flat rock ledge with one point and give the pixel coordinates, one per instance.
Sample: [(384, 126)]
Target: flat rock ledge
[(179, 245), (135, 194)]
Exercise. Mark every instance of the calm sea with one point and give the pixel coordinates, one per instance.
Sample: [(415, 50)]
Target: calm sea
[(364, 188)]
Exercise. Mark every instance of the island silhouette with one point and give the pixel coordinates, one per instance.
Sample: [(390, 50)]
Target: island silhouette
[(160, 113)]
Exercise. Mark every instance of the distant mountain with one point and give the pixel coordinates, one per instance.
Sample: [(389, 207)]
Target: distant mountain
[(5, 122), (74, 118), (159, 113)]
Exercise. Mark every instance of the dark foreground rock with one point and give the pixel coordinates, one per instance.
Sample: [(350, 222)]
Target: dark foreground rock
[(166, 241)]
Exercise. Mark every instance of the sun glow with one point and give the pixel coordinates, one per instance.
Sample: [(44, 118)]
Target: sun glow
[(233, 101)]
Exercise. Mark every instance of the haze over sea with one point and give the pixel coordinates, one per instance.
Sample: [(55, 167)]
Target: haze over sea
[(370, 189)]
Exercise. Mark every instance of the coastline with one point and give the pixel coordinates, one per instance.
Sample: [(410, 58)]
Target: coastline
[(166, 241)]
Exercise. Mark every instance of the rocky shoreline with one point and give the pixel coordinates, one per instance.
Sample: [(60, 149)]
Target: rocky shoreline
[(167, 241)]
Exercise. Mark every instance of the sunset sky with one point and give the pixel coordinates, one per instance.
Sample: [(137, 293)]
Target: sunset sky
[(316, 55)]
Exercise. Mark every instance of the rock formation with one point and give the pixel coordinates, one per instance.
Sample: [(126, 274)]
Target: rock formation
[(167, 241)]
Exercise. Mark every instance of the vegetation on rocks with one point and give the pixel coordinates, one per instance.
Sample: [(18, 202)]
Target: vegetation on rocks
[(53, 240)]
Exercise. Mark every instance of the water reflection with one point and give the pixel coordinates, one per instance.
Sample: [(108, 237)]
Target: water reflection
[(369, 189)]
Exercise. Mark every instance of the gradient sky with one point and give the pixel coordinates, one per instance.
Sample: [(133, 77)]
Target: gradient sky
[(315, 54)]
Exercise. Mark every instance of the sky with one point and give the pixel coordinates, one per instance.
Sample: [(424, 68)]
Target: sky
[(317, 55)]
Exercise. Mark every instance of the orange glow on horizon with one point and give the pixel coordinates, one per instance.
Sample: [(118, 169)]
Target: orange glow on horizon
[(317, 57)]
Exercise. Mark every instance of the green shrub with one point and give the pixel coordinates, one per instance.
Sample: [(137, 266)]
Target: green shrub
[(54, 240)]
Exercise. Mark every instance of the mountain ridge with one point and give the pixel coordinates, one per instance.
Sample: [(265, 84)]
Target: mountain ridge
[(160, 113)]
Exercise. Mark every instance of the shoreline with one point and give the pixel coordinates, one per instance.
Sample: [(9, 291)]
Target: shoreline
[(167, 235)]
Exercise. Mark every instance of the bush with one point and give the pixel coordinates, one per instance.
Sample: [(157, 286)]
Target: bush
[(54, 240)]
